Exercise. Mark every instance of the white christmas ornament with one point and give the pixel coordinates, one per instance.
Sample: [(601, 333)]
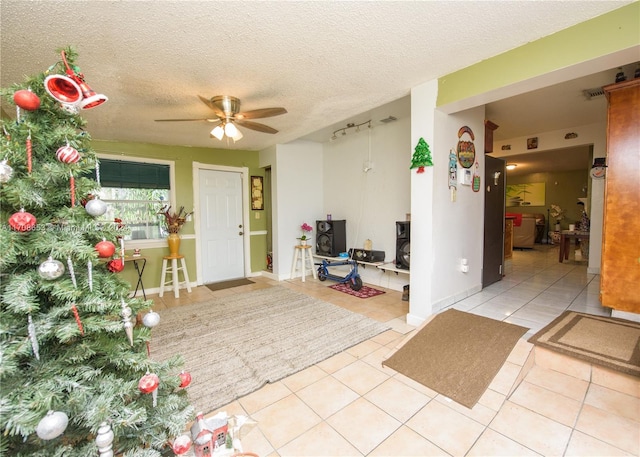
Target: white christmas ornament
[(96, 207), (151, 319), (104, 440), (6, 172), (126, 320), (52, 425), (51, 269)]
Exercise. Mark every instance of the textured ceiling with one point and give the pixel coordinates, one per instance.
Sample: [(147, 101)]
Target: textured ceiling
[(326, 62)]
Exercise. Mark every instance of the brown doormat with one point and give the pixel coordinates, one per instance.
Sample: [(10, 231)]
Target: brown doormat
[(606, 341), (457, 354), (228, 284)]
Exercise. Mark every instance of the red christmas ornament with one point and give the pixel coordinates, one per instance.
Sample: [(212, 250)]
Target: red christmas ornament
[(148, 383), (67, 154), (22, 221), (115, 265), (185, 379), (26, 99), (181, 444), (105, 248)]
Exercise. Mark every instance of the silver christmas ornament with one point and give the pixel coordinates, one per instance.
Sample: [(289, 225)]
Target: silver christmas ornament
[(96, 207), (151, 319), (52, 425), (51, 269), (104, 440), (6, 172)]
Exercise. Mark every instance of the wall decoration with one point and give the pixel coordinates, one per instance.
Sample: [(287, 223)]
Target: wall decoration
[(506, 147), (476, 178), (466, 149), (530, 194), (532, 143), (599, 168), (421, 157), (257, 193)]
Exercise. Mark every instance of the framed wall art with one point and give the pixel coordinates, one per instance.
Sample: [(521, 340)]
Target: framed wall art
[(257, 193), (530, 194)]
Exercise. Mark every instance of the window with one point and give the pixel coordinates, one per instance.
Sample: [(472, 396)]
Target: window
[(134, 191)]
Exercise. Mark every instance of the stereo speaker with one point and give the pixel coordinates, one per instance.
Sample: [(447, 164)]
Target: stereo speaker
[(403, 244), (362, 255), (331, 238)]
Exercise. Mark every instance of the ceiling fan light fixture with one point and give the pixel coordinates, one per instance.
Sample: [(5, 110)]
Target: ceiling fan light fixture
[(218, 132), (230, 130), (238, 136)]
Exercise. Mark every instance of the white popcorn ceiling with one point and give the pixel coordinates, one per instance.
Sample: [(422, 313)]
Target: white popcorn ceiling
[(326, 62)]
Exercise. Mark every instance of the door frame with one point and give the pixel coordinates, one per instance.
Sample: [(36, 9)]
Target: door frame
[(244, 178)]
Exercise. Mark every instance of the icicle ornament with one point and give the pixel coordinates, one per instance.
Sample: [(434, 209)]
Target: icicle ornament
[(126, 320), (90, 275), (71, 272), (31, 329)]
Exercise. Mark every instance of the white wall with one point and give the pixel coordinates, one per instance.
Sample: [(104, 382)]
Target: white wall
[(370, 201), (297, 183)]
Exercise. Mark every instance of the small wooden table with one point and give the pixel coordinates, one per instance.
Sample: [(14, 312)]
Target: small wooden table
[(565, 242), (139, 262)]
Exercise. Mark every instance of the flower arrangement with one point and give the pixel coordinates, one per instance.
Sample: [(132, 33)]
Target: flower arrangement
[(556, 212), (305, 228), (174, 221)]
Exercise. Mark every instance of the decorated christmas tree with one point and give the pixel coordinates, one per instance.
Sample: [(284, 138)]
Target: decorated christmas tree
[(421, 156), (76, 378)]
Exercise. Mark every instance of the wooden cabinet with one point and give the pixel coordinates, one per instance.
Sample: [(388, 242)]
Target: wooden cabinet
[(620, 267)]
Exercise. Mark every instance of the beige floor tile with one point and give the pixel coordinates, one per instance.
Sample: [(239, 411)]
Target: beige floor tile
[(327, 396), (387, 337), (321, 441), (558, 382), (449, 430), (397, 399), (285, 420), (505, 379), (531, 429), (376, 358), (263, 397), (492, 443), (615, 430), (335, 363), (550, 404), (303, 378), (614, 402), (254, 441), (616, 381), (363, 349), (581, 445), (407, 443), (360, 377), (563, 364), (363, 424), (520, 352), (416, 385), (492, 399), (478, 413)]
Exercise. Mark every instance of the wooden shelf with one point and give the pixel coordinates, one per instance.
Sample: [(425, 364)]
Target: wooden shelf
[(392, 267)]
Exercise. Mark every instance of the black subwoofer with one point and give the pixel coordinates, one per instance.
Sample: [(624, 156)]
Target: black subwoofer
[(403, 244), (331, 238), (362, 255)]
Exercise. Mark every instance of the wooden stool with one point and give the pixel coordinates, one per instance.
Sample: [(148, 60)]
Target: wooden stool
[(175, 280), (304, 250)]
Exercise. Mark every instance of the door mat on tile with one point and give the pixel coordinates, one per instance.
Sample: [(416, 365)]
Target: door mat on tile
[(605, 341), (364, 292), (457, 354), (228, 284), (234, 345)]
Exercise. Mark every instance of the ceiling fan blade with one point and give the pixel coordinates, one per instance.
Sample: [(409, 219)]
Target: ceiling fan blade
[(256, 126), (212, 106), (178, 120), (261, 113)]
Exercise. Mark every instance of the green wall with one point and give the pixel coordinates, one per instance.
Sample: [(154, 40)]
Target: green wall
[(603, 35), (184, 157), (562, 189)]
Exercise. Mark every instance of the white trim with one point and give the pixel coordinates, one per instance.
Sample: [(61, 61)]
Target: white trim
[(244, 178)]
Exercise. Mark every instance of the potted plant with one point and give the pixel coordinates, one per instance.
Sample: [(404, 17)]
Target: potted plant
[(558, 214), (173, 223), (306, 228)]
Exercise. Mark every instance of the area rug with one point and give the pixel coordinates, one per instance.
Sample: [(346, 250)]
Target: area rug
[(457, 354), (228, 284), (233, 345), (364, 292), (606, 341)]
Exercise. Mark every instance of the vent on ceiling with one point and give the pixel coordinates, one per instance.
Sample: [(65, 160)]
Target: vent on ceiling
[(592, 93), (386, 120)]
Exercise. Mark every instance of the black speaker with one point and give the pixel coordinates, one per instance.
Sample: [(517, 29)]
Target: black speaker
[(331, 238), (363, 255), (403, 244)]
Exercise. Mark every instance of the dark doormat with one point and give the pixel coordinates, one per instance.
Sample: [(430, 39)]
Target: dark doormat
[(228, 284)]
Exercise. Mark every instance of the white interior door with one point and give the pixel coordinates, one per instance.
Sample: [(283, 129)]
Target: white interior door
[(221, 228)]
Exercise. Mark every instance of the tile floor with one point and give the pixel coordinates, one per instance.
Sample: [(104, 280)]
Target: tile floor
[(540, 403)]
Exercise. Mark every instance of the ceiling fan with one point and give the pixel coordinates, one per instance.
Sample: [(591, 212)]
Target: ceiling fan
[(227, 114)]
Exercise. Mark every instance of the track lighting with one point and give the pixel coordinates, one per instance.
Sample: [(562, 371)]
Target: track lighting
[(343, 130)]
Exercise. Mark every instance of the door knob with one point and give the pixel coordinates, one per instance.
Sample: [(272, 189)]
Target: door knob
[(240, 233), (240, 226)]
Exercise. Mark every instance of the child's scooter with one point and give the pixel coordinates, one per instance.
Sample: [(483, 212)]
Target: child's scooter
[(353, 277)]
